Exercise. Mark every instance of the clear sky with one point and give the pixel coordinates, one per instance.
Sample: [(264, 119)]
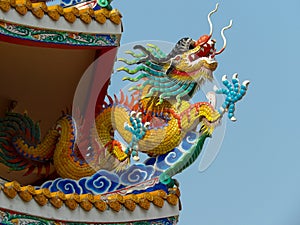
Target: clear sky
[(256, 176)]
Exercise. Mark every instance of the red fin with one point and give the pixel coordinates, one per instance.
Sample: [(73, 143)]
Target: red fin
[(111, 101), (116, 99), (126, 100), (132, 101), (29, 171), (121, 97)]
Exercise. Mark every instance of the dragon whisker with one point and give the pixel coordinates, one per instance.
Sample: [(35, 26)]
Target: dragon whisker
[(224, 38), (209, 20)]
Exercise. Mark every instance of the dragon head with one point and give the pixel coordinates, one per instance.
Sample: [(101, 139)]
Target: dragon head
[(197, 62), (181, 72)]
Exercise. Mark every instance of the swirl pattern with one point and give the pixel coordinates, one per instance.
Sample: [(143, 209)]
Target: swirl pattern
[(102, 182), (136, 174)]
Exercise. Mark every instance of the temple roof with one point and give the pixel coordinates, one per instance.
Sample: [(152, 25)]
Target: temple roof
[(56, 12)]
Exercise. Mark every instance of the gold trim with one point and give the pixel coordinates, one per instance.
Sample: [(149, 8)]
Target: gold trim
[(40, 9), (88, 201), (5, 5)]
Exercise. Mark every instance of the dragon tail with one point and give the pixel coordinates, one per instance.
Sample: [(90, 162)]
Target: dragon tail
[(20, 145)]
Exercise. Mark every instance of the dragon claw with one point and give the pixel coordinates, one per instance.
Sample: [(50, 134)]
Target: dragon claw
[(224, 78), (136, 158), (139, 115), (147, 125), (132, 113), (235, 76), (246, 83), (233, 119), (234, 92), (138, 131)]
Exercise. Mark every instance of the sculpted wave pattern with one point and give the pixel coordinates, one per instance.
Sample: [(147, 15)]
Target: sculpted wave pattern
[(104, 181)]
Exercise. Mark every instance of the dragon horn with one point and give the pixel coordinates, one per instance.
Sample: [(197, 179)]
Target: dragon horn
[(224, 38)]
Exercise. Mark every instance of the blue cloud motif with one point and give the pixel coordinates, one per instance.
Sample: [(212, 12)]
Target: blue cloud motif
[(189, 140), (150, 161), (173, 157), (136, 174), (47, 184), (68, 186), (167, 160), (102, 182), (82, 184), (51, 185)]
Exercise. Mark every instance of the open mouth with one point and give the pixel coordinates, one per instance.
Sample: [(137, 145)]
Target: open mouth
[(204, 55), (200, 62), (206, 50)]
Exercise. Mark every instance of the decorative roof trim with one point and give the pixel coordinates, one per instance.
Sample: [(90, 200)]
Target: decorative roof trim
[(58, 37), (37, 202), (55, 12), (56, 25)]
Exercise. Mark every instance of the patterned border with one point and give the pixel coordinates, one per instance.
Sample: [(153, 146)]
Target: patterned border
[(12, 218), (58, 37)]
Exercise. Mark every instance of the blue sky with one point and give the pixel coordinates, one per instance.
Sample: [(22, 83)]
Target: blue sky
[(256, 176)]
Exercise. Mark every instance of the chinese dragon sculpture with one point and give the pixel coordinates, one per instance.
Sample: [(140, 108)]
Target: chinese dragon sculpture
[(154, 120)]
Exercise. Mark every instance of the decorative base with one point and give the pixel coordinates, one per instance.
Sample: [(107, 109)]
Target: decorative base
[(10, 217)]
